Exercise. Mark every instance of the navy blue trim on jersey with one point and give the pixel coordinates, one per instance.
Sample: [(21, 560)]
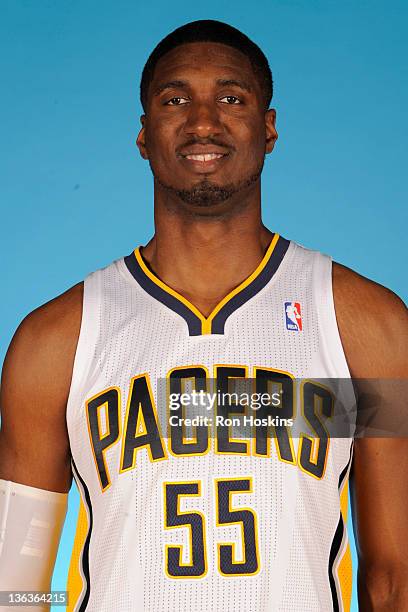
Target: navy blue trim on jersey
[(335, 547), (337, 540), (218, 323), (194, 322), (85, 550)]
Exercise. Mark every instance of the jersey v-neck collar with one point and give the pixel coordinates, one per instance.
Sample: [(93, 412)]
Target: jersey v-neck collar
[(197, 323)]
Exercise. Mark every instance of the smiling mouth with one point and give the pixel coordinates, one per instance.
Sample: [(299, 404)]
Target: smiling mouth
[(204, 157)]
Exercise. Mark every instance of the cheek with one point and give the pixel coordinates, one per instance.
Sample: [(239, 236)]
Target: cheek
[(158, 140), (161, 139), (252, 142), (259, 135)]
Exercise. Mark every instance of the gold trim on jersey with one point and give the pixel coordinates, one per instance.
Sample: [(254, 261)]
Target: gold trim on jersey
[(75, 582), (345, 568), (206, 322)]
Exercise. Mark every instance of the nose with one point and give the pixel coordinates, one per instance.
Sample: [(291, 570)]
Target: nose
[(203, 120)]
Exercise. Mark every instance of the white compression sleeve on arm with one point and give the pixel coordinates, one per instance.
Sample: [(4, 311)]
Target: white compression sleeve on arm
[(31, 522)]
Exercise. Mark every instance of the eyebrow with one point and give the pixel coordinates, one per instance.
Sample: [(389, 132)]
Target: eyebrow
[(234, 83), (178, 84), (169, 85)]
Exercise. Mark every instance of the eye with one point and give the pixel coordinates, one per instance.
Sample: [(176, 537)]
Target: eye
[(230, 100), (176, 101)]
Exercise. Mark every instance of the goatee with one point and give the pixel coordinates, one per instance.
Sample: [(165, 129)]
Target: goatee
[(205, 193)]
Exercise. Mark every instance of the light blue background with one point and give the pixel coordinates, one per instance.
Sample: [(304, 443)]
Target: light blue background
[(75, 194)]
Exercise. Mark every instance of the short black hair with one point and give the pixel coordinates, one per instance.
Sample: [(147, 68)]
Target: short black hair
[(209, 30)]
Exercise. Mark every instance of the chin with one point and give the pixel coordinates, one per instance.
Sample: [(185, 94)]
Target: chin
[(206, 194)]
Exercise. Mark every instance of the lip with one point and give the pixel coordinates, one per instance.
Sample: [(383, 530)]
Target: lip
[(201, 149), (204, 166), (204, 158)]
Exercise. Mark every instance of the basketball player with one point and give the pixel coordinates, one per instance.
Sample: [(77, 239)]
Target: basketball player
[(212, 521)]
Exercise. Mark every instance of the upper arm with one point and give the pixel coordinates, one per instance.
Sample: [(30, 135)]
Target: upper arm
[(34, 446), (373, 324)]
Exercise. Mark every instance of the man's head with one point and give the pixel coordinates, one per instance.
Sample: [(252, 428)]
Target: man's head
[(205, 91), (207, 30)]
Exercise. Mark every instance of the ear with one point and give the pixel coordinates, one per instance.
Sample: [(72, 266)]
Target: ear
[(271, 133), (141, 138)]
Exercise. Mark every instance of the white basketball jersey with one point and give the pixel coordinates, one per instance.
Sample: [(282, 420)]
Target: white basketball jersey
[(198, 517)]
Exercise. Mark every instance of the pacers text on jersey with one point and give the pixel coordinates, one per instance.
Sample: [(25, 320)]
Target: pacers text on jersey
[(142, 429)]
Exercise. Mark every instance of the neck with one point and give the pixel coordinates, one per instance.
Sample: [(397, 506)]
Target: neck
[(203, 259)]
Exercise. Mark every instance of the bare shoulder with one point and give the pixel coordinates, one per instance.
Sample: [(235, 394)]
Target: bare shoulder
[(44, 344), (373, 325), (54, 325), (35, 385), (59, 312)]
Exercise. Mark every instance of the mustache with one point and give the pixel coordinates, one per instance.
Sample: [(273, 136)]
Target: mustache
[(206, 141)]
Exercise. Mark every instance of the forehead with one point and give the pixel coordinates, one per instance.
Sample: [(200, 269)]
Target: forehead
[(204, 59)]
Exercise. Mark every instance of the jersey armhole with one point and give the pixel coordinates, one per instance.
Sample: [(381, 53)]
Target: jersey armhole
[(88, 338), (327, 321)]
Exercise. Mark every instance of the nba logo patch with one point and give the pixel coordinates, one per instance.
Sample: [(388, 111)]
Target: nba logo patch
[(293, 314)]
